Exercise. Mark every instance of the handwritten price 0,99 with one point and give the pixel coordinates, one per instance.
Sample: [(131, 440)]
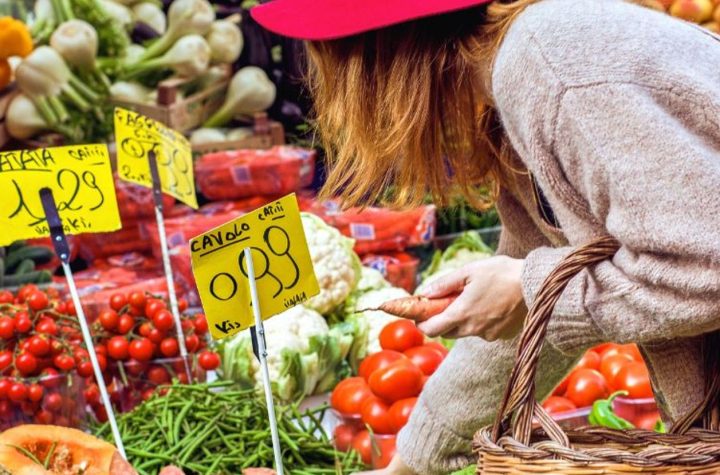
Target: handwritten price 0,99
[(71, 182), (175, 164)]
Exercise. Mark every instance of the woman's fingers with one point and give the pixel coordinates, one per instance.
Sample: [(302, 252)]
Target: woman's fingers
[(444, 322), (452, 283)]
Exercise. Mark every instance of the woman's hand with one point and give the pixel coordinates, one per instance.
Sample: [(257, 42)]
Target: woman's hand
[(396, 467), (490, 304)]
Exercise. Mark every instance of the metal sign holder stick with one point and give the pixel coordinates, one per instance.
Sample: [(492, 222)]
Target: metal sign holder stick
[(258, 336), (157, 197), (62, 249)]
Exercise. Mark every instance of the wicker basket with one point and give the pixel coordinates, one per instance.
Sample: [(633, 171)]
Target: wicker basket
[(512, 446)]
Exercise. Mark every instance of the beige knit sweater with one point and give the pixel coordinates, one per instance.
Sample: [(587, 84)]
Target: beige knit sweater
[(615, 109)]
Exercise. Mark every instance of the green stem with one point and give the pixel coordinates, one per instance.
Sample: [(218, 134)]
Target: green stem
[(57, 10), (67, 9), (46, 111), (157, 47), (75, 98), (59, 108), (219, 118), (83, 89), (140, 67)]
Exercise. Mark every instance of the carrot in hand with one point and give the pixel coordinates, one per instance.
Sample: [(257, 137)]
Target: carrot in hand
[(417, 308)]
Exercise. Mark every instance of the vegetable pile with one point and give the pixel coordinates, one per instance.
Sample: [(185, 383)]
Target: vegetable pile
[(210, 428), (19, 264)]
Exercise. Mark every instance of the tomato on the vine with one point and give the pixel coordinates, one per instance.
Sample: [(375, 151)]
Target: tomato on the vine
[(6, 297), (64, 362), (141, 349), (163, 320), (156, 336), (348, 396), (17, 392), (118, 301), (23, 323), (26, 291), (400, 412), (208, 360), (362, 444), (109, 319), (125, 324), (401, 335), (47, 326), (379, 360), (153, 306), (6, 359), (201, 324), (400, 380), (158, 375), (427, 358), (35, 392), (7, 327), (192, 342), (85, 369), (558, 404), (117, 348), (182, 305), (70, 308), (39, 346), (4, 386), (144, 329), (92, 395), (44, 417), (26, 364), (169, 347), (586, 386), (633, 378), (53, 402), (137, 299), (374, 413), (38, 301)]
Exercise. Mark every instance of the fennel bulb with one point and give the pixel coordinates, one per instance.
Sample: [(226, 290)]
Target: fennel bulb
[(151, 15), (120, 13), (250, 91), (24, 121), (225, 40), (205, 136), (188, 57), (130, 92), (185, 17)]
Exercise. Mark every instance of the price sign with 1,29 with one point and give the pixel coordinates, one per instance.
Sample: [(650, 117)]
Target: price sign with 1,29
[(136, 136), (80, 177), (284, 272)]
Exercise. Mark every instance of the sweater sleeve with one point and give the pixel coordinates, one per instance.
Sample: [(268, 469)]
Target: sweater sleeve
[(647, 164)]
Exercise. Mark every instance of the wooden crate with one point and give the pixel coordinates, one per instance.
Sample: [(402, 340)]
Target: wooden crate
[(6, 96), (266, 133), (182, 114)]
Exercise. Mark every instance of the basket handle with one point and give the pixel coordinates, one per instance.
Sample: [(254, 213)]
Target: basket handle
[(519, 395)]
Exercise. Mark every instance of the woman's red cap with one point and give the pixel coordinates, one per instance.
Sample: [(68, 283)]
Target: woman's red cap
[(332, 19)]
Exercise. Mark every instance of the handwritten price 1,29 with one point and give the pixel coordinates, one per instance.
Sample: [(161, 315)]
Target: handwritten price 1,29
[(136, 136), (283, 269), (80, 178)]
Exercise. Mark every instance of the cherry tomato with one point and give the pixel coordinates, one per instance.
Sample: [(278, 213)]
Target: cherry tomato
[(379, 360), (17, 392), (386, 448), (191, 343), (26, 291), (141, 349), (23, 323), (169, 347), (47, 327), (156, 336), (44, 417), (158, 375), (35, 392), (125, 324), (400, 412), (92, 395), (343, 437), (50, 378), (647, 421), (38, 301), (39, 346), (7, 327), (362, 444), (438, 346), (208, 360), (586, 386), (6, 297), (118, 301), (6, 359), (137, 300), (109, 319), (633, 378), (557, 404), (145, 329), (561, 388), (400, 335), (632, 350), (64, 362), (102, 362), (590, 360), (187, 325), (200, 323), (26, 364), (70, 308), (163, 320), (426, 358), (400, 380), (611, 365), (182, 305), (135, 367), (85, 369), (375, 414), (348, 396), (4, 386), (118, 348), (153, 306), (53, 402)]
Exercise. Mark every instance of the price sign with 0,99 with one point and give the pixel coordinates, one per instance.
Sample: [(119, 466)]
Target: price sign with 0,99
[(136, 136), (81, 180), (284, 272)]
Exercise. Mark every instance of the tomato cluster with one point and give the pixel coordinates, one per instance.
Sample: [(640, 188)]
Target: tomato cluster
[(601, 371), (384, 394)]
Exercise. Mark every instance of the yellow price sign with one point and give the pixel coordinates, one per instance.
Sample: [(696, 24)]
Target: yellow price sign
[(284, 272), (81, 180), (136, 136)]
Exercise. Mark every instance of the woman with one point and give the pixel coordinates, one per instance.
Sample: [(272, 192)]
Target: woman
[(588, 118)]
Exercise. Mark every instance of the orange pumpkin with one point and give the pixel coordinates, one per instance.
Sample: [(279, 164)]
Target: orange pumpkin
[(67, 451)]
